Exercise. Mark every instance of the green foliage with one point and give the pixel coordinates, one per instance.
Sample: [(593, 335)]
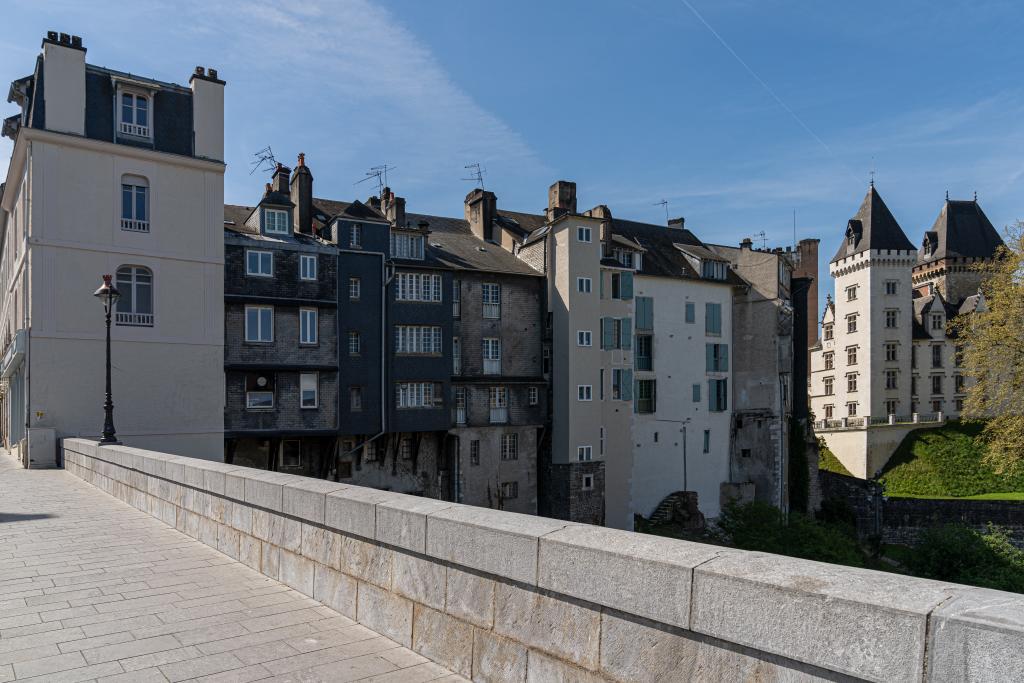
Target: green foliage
[(958, 553), (760, 526), (799, 479), (947, 461), (828, 461)]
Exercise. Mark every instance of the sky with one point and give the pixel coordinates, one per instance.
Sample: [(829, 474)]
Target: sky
[(738, 113)]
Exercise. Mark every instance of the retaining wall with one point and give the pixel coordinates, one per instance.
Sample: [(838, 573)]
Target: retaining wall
[(499, 596)]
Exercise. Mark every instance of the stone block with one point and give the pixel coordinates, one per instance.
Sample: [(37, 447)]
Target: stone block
[(470, 597), (228, 541), (422, 580), (640, 574), (544, 669), (270, 558), (402, 521), (384, 612), (978, 636), (241, 517), (564, 629), (353, 510), (497, 659), (305, 499), (280, 531), (498, 542), (321, 545), (366, 561), (862, 623), (265, 489), (443, 639), (234, 483), (296, 572), (336, 590), (249, 551)]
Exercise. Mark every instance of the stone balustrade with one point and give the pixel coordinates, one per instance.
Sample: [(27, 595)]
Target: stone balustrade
[(499, 596)]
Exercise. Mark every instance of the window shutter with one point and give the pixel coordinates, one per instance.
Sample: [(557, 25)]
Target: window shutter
[(626, 340), (627, 385), (709, 353), (600, 280), (696, 393), (654, 396), (607, 333), (711, 394), (626, 287), (691, 314), (724, 354)]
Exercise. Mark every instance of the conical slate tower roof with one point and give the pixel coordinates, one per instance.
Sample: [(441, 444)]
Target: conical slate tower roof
[(872, 228), (961, 230)]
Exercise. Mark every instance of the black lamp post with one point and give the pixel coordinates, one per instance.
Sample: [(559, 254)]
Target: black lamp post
[(108, 295)]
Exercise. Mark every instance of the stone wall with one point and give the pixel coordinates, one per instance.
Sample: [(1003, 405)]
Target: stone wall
[(498, 596)]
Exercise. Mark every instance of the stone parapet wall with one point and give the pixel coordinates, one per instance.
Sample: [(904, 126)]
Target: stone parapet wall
[(499, 596)]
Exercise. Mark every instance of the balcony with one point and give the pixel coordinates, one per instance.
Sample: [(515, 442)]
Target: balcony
[(134, 129), (133, 319), (132, 225)]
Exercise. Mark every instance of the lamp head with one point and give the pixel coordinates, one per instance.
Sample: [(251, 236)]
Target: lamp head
[(107, 292)]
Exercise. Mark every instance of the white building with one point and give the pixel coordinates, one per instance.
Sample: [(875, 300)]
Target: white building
[(112, 174)]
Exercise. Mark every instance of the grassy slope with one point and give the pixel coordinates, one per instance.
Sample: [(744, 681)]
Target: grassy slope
[(948, 462), (828, 461)]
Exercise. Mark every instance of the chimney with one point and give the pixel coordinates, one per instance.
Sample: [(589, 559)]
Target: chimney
[(63, 72), (603, 212), (281, 176), (373, 202), (677, 223), (394, 208), (302, 197), (481, 210), (747, 243), (207, 114), (561, 199)]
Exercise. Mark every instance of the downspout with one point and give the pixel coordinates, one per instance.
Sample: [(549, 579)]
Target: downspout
[(24, 308)]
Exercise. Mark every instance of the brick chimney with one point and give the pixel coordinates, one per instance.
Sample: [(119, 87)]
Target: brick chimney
[(747, 243), (394, 208), (302, 197), (281, 176), (481, 210), (605, 214), (677, 223), (561, 199)]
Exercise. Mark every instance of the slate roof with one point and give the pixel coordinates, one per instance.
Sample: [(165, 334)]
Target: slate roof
[(876, 227), (663, 246), (962, 230)]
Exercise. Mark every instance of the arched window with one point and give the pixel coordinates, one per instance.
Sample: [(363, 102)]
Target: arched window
[(134, 114), (134, 203), (135, 307)]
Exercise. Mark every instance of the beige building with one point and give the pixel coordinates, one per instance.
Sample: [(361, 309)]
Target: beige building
[(112, 174)]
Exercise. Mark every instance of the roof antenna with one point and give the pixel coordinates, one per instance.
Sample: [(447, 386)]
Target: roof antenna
[(663, 202), (764, 239), (265, 161), (872, 182), (947, 195), (975, 196), (378, 173), (476, 174)]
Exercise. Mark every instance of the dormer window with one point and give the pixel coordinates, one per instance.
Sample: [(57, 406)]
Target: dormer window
[(275, 222), (713, 270), (405, 245), (135, 115), (356, 236), (628, 258)]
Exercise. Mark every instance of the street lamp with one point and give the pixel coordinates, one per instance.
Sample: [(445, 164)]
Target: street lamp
[(108, 295), (683, 423)]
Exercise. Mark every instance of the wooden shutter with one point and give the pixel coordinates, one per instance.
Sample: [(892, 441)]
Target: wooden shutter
[(626, 334), (607, 333), (626, 286)]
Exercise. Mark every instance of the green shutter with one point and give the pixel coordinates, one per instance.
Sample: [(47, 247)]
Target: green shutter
[(600, 279), (711, 394), (691, 314), (626, 330), (627, 385), (709, 354), (644, 313), (654, 396), (696, 393), (607, 333), (724, 352), (626, 286)]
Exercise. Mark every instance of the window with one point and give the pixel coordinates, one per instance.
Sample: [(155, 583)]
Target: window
[(622, 384), (417, 395), (584, 453), (456, 356), (713, 270), (600, 384), (936, 356), (345, 469), (691, 314), (584, 392), (936, 384), (584, 338), (827, 329), (890, 287), (958, 356), (354, 288), (696, 393), (492, 356), (644, 313), (913, 356), (622, 286), (829, 386), (534, 396), (890, 407), (134, 204), (959, 405), (713, 319), (474, 452), (420, 339), (851, 323), (718, 395), (259, 263), (891, 318), (627, 257), (259, 324), (498, 400), (829, 411), (707, 440), (851, 409), (958, 384), (891, 352), (583, 284), (601, 440), (937, 406), (404, 245), (135, 307), (829, 360), (491, 295), (616, 333), (851, 293), (936, 321), (405, 449), (460, 405), (509, 490), (355, 345), (308, 326), (717, 357), (259, 391), (355, 235), (545, 362), (851, 355), (851, 382), (424, 287), (509, 446), (456, 299), (308, 389), (913, 386), (355, 399), (890, 379), (291, 454), (644, 355), (275, 221), (134, 115), (588, 482), (307, 267), (582, 234), (370, 451), (646, 396)]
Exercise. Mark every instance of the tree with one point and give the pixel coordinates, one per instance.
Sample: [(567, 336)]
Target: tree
[(992, 353)]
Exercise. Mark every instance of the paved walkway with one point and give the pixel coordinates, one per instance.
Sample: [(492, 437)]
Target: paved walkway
[(93, 589)]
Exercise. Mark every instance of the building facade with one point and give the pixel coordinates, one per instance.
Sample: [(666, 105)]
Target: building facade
[(118, 174)]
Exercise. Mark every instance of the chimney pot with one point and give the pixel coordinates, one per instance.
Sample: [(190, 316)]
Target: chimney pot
[(302, 158), (76, 41), (212, 72), (52, 35), (677, 223), (423, 225), (747, 243), (65, 39)]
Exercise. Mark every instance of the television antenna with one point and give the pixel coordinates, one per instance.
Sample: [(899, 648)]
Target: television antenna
[(476, 174), (265, 161), (664, 203), (378, 173), (764, 239)]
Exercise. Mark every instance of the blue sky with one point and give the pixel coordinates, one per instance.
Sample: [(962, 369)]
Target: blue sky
[(737, 112)]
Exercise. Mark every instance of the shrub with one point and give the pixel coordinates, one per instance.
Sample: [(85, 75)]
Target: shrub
[(958, 553)]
